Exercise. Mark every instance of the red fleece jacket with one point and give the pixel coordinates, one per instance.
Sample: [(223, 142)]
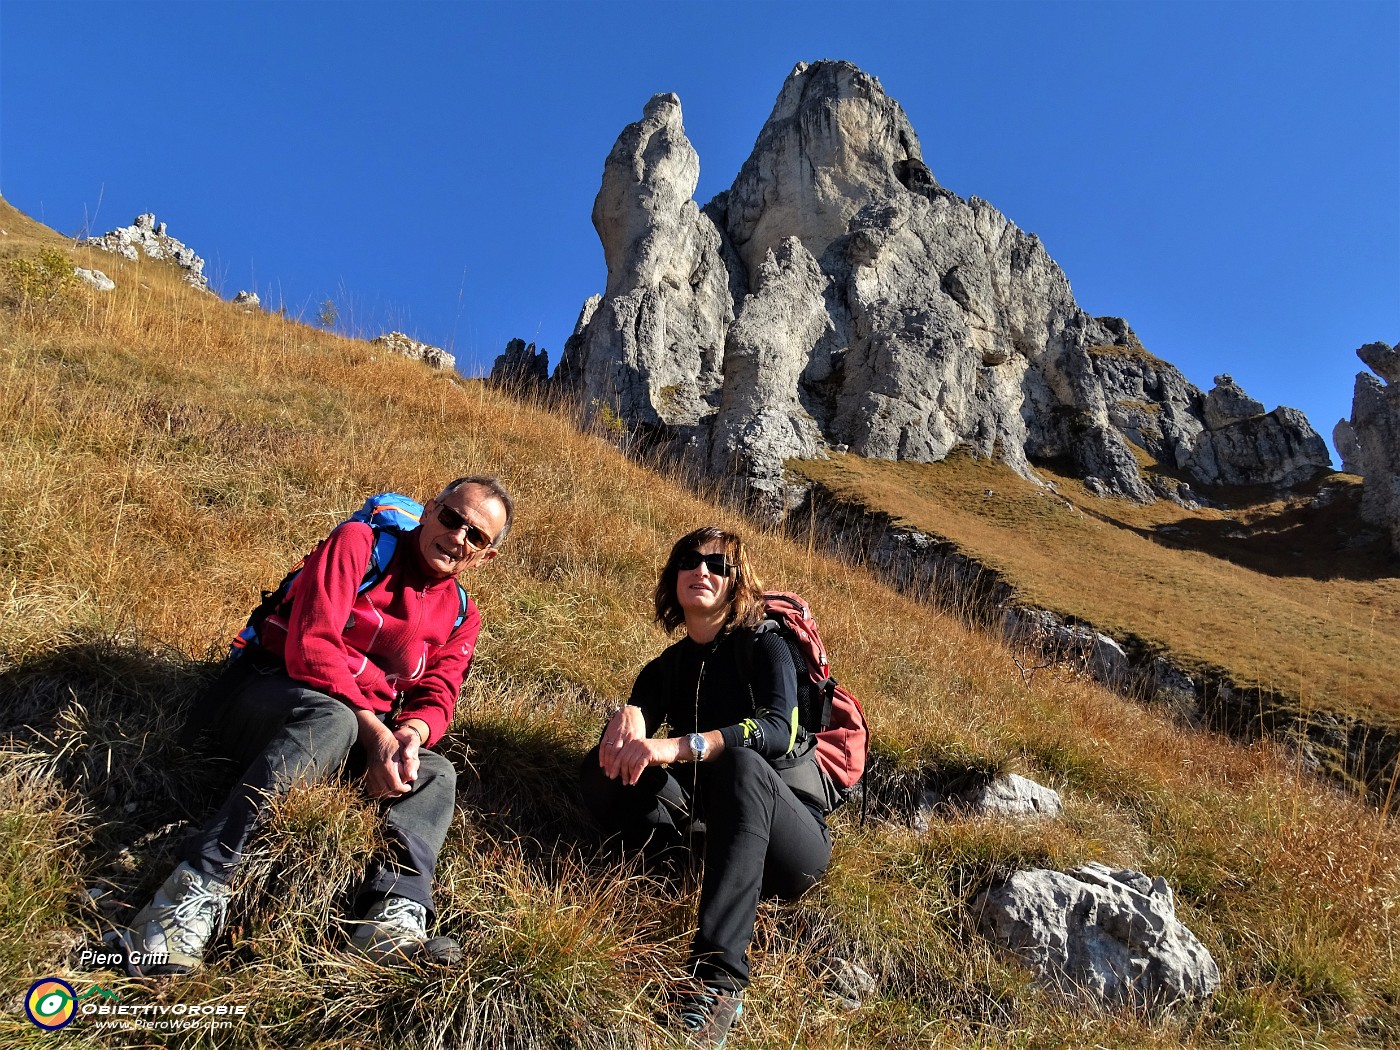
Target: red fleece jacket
[(396, 637)]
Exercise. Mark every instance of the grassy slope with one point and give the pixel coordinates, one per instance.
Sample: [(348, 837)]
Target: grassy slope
[(1264, 590), (162, 456)]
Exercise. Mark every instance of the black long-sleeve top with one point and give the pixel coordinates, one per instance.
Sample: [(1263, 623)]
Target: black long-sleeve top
[(698, 688)]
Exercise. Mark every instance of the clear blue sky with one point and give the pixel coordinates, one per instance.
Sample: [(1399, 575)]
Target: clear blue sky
[(1225, 175)]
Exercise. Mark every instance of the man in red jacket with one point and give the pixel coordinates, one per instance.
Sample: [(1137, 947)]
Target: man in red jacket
[(362, 683)]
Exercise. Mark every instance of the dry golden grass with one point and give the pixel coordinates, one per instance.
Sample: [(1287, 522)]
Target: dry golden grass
[(1170, 577), (164, 455)]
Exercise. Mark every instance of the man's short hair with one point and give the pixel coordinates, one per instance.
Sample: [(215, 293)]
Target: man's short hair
[(493, 485)]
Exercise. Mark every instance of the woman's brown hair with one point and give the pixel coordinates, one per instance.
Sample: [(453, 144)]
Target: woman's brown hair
[(745, 598)]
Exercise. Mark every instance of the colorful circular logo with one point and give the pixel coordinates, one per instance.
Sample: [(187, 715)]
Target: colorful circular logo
[(51, 1003)]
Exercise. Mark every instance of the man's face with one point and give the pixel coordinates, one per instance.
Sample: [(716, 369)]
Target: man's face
[(478, 516)]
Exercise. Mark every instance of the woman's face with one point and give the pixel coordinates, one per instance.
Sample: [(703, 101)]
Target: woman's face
[(700, 591)]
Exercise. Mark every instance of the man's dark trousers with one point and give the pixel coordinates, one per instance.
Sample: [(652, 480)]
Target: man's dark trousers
[(287, 733)]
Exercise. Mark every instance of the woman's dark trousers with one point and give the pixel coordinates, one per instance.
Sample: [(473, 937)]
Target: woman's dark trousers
[(286, 734), (760, 841)]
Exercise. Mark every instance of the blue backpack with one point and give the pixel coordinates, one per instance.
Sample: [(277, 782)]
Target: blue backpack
[(390, 515)]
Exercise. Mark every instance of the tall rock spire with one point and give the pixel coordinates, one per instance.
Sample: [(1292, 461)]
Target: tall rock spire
[(837, 295)]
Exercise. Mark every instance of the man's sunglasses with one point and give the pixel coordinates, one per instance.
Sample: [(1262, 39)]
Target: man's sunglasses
[(718, 564), (450, 520)]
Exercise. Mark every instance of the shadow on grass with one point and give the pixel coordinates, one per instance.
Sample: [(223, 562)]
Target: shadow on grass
[(106, 719), (107, 716), (1320, 536), (520, 782)]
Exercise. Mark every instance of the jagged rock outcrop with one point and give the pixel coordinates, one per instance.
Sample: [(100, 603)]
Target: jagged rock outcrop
[(1370, 442), (1344, 438), (761, 421), (837, 295), (1112, 936), (520, 366), (145, 235), (1244, 445), (1227, 403), (246, 299), (398, 343)]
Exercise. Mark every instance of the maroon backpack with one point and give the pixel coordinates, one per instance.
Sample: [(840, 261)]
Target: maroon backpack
[(825, 709)]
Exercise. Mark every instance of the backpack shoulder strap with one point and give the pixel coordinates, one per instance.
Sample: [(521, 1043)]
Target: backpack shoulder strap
[(462, 606), (386, 542), (745, 644)]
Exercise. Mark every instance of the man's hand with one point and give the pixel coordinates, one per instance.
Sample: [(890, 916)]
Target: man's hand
[(410, 739), (627, 724), (384, 758)]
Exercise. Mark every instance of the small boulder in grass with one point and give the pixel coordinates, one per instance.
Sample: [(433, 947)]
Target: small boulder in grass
[(1111, 936), (1005, 795), (95, 279)]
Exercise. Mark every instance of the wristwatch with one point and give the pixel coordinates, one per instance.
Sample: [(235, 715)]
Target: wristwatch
[(698, 746)]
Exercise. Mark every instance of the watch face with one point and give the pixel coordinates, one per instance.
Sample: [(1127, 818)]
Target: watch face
[(698, 745)]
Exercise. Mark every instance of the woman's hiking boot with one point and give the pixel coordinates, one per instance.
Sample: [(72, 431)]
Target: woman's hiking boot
[(707, 1013)]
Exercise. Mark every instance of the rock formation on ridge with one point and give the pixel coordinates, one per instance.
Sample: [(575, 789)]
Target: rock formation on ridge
[(521, 365), (148, 236), (432, 356), (837, 296), (1370, 443)]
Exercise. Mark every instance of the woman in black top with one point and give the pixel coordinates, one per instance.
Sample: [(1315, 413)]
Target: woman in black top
[(728, 695)]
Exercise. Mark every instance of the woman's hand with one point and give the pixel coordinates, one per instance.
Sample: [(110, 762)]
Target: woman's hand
[(637, 754), (627, 724)]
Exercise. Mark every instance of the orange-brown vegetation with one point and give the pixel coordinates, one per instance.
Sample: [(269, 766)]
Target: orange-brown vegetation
[(163, 456)]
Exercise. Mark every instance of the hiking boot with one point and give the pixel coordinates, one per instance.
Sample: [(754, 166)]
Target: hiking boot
[(395, 930), (170, 935), (707, 1013)]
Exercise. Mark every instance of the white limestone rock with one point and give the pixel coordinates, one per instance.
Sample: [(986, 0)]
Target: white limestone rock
[(1374, 452), (1111, 936), (830, 148), (1277, 448), (95, 279), (146, 236), (1227, 403), (432, 356), (1006, 795), (1344, 440), (761, 423), (911, 323), (652, 348), (247, 300)]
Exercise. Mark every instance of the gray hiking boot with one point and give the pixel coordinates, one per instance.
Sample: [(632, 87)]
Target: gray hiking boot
[(170, 934), (395, 930)]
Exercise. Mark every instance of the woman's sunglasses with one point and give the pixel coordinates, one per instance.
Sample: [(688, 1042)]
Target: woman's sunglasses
[(718, 564), (450, 520)]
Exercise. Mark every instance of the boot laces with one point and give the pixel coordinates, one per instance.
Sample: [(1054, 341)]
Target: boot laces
[(199, 912), (403, 916)]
